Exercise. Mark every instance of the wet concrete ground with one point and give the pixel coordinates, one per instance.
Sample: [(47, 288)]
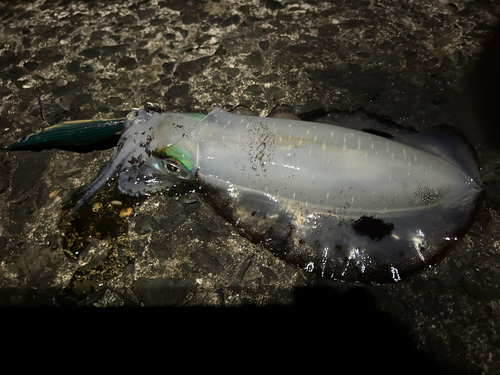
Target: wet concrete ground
[(402, 60)]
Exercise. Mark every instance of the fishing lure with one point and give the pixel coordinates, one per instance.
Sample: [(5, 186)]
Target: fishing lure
[(356, 205), (70, 133)]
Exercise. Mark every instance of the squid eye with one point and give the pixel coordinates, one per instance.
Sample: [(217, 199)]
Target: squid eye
[(172, 168)]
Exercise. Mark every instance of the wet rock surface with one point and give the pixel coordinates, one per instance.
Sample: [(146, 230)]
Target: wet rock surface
[(90, 59)]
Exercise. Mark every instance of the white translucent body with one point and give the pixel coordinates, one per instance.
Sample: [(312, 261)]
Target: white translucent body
[(325, 165), (343, 203)]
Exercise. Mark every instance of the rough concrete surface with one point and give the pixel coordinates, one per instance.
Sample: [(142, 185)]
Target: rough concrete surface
[(404, 60)]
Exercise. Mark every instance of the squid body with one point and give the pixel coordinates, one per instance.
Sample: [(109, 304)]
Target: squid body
[(344, 203)]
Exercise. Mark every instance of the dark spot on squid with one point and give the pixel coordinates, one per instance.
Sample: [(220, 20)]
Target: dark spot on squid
[(145, 145), (120, 144), (136, 163), (372, 227)]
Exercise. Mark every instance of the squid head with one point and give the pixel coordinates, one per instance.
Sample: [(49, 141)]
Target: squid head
[(153, 153)]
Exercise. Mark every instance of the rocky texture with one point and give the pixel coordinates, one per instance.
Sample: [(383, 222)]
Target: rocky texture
[(93, 59)]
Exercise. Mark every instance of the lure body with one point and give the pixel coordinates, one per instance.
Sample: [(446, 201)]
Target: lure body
[(70, 133), (340, 202)]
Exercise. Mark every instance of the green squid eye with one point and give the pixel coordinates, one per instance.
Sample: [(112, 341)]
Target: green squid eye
[(173, 169), (177, 155), (174, 162)]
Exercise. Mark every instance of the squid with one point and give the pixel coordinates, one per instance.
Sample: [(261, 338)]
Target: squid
[(348, 198)]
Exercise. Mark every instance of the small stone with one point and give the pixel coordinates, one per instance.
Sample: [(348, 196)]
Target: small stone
[(96, 206), (54, 193), (126, 212)]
